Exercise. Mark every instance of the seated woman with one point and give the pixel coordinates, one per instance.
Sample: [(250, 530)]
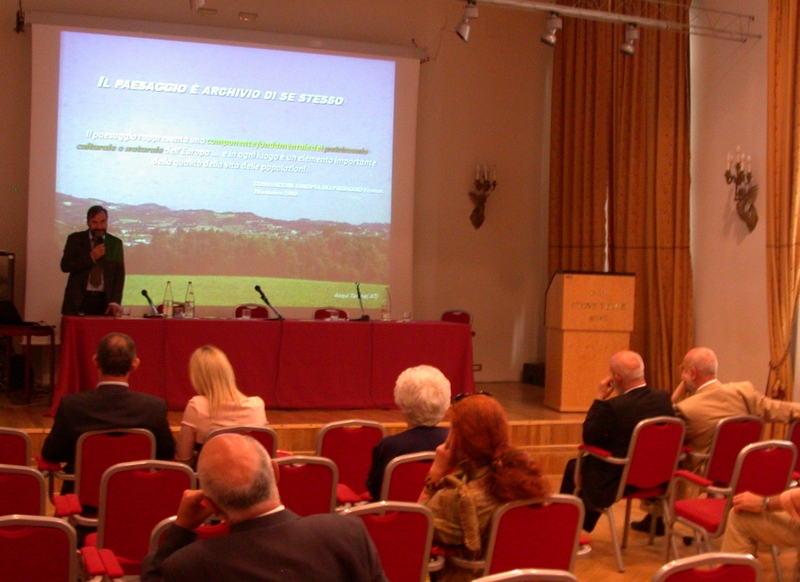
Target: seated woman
[(474, 472), (422, 394), (218, 403)]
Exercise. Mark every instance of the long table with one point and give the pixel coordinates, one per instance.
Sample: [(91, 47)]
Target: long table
[(292, 364)]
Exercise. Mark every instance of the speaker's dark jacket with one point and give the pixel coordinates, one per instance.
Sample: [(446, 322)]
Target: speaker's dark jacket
[(77, 261)]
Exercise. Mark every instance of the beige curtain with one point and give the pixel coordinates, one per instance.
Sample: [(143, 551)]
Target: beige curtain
[(620, 135), (783, 192)]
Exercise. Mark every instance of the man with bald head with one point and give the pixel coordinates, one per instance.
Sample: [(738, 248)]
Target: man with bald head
[(267, 542), (702, 400), (623, 400)]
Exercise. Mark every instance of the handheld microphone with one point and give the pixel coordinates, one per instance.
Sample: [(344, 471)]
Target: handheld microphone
[(364, 316), (265, 300), (150, 302)]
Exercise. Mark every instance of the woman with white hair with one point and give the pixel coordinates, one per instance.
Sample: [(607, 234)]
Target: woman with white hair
[(218, 403), (422, 394)]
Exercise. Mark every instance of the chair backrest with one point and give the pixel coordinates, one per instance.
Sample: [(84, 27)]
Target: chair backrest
[(764, 468), (204, 532), (349, 444), (794, 437), (307, 484), (98, 450), (134, 498), (15, 447), (653, 454), (404, 477), (535, 533), (530, 575), (711, 567), (457, 316), (402, 533), (44, 549), (731, 435), (22, 491), (256, 311), (329, 313), (263, 434)]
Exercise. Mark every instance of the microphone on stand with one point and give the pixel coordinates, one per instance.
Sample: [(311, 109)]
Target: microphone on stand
[(265, 300), (153, 307), (364, 316)]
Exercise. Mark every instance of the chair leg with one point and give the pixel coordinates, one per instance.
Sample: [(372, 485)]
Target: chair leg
[(778, 572), (614, 539), (627, 522)]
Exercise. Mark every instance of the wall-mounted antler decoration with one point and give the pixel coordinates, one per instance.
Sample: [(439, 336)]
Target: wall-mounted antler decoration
[(485, 185)]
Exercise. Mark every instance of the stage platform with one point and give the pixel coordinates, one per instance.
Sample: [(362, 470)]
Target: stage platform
[(552, 437)]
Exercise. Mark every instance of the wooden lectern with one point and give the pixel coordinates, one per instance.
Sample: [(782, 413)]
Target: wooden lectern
[(589, 318)]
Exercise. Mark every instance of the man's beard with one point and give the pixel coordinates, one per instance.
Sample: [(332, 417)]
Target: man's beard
[(98, 232)]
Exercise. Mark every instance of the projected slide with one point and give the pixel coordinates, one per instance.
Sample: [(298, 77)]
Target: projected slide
[(229, 165)]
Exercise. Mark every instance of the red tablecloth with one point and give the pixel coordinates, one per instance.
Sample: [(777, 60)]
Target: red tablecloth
[(289, 363)]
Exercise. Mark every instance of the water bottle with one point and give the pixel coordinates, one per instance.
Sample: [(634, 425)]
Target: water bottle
[(168, 300), (386, 307), (188, 309)]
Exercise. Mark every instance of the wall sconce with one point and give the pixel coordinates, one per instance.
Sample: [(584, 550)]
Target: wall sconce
[(740, 174), (485, 183)]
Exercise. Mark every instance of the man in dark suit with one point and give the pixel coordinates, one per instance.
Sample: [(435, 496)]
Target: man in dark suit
[(111, 405), (94, 260), (267, 542), (609, 425)]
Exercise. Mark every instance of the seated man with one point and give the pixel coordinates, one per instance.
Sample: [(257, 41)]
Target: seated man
[(267, 542), (422, 394), (111, 405), (773, 520), (609, 425)]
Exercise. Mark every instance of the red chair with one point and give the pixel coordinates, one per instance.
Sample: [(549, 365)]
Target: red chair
[(647, 469), (402, 533), (794, 437), (256, 311), (731, 435), (35, 548), (307, 484), (330, 313), (712, 567), (263, 434), (457, 316), (96, 451), (349, 444), (15, 447), (763, 468), (531, 533), (530, 575), (22, 491), (134, 498), (404, 477)]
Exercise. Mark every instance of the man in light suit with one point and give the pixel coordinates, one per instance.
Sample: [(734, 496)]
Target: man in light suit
[(609, 425), (94, 260), (267, 542), (111, 405), (702, 400)]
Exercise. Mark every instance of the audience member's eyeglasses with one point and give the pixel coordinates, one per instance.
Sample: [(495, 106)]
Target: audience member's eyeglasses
[(460, 397)]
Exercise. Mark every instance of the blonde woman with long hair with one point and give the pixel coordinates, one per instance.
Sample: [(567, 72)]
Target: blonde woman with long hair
[(218, 403)]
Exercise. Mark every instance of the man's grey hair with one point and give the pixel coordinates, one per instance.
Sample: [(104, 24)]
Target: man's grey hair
[(704, 360), (235, 497), (423, 395), (628, 364)]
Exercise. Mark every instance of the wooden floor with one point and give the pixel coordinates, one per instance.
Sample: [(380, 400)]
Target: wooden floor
[(550, 436)]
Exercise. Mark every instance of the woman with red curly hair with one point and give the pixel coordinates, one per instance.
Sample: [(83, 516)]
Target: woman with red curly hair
[(474, 472)]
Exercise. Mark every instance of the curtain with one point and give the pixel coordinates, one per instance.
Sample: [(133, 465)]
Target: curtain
[(620, 137), (783, 192)]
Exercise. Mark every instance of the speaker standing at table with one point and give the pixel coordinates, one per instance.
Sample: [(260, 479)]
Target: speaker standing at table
[(94, 260)]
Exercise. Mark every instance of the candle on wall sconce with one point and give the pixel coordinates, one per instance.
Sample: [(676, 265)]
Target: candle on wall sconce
[(485, 183), (740, 174)]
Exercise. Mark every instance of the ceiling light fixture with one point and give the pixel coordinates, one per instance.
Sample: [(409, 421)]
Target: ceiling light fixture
[(463, 27), (631, 35), (554, 24)]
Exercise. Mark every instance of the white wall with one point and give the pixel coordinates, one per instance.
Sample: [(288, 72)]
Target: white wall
[(484, 101), (729, 108)]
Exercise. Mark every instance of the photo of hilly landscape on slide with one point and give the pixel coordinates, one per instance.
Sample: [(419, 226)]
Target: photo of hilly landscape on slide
[(236, 248)]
